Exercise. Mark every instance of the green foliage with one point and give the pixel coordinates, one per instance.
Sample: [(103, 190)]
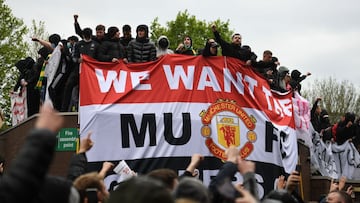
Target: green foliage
[(186, 24), (338, 97), (36, 30), (12, 48)]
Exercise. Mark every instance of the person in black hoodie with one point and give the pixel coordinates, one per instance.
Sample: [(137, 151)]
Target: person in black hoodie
[(141, 49), (111, 50), (28, 79), (126, 38), (346, 130), (100, 31), (26, 175), (296, 79), (211, 48), (89, 47)]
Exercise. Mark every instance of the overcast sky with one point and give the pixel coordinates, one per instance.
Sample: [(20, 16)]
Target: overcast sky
[(319, 36)]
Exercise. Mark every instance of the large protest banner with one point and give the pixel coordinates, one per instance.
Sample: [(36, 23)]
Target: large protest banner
[(157, 114)]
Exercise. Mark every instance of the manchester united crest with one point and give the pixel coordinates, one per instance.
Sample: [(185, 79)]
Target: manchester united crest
[(227, 115)]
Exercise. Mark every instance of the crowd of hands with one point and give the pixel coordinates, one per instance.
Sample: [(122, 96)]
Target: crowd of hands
[(49, 119)]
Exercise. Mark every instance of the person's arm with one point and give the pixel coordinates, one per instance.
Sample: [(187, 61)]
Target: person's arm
[(78, 161), (77, 27), (153, 53), (227, 171), (247, 170), (27, 172), (107, 166), (129, 51), (224, 44), (194, 163), (43, 43), (292, 183)]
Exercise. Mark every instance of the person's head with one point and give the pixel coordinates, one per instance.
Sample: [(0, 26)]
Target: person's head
[(54, 39), (141, 189), (142, 31), (126, 31), (324, 117), (247, 47), (87, 33), (167, 176), (295, 74), (236, 39), (44, 52), (191, 190), (284, 72), (100, 31), (113, 32), (91, 180), (73, 39), (187, 41), (281, 195), (349, 117), (338, 197), (267, 56), (214, 48), (57, 190), (163, 42)]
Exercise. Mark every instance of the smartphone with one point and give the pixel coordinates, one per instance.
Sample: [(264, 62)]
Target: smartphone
[(91, 194)]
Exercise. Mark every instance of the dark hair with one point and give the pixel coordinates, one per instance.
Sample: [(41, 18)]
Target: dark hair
[(112, 31), (44, 52), (349, 117), (87, 33), (343, 195), (281, 195), (54, 39), (165, 175), (100, 27), (141, 189), (126, 28), (192, 189), (73, 38), (267, 52)]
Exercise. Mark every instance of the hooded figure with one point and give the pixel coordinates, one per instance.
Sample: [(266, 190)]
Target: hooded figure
[(284, 78), (186, 47), (141, 49), (296, 78), (144, 38), (28, 79), (163, 46)]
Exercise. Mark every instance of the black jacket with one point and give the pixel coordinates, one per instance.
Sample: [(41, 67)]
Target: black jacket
[(141, 50), (109, 49), (232, 50), (24, 179)]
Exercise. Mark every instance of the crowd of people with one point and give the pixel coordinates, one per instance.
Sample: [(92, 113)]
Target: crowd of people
[(346, 129), (163, 185), (109, 46), (28, 174)]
